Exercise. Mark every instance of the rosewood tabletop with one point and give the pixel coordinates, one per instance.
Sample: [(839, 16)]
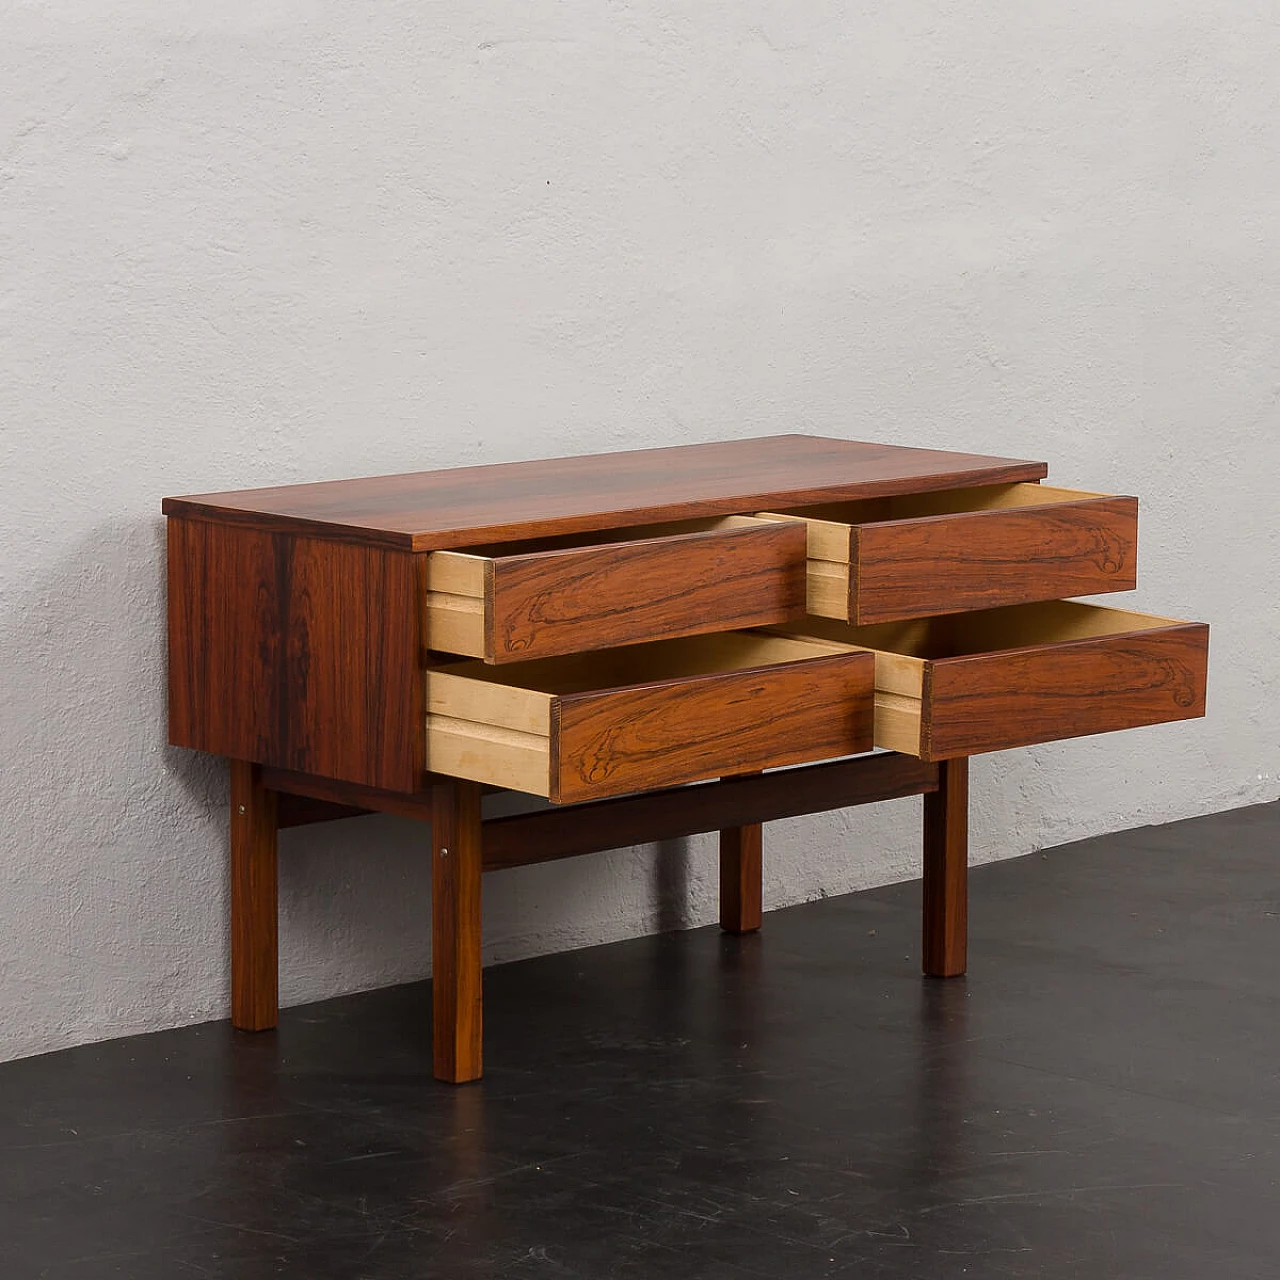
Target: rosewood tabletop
[(430, 510)]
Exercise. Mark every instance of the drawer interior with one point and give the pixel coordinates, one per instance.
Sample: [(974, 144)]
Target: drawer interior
[(646, 663), (919, 506), (990, 630), (599, 537)]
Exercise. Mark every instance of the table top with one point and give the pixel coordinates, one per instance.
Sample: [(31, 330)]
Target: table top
[(429, 510)]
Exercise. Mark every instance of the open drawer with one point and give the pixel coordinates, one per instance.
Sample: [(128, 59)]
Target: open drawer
[(968, 683), (625, 586), (885, 559), (651, 715)]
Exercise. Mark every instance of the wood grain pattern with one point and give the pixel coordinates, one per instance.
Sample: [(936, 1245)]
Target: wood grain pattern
[(303, 811), (504, 725), (456, 979), (510, 501), (967, 683), (990, 702), (225, 640), (618, 740), (489, 754), (569, 831), (300, 653), (559, 602), (983, 559), (354, 702), (946, 872), (334, 792), (254, 928), (574, 830), (741, 877)]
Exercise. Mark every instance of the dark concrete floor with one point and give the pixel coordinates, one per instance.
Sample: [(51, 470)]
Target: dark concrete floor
[(1099, 1098)]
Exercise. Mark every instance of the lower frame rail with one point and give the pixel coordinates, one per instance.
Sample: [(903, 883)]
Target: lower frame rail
[(570, 831)]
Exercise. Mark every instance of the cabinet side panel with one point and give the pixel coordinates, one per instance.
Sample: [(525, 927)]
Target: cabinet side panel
[(300, 653), (224, 640)]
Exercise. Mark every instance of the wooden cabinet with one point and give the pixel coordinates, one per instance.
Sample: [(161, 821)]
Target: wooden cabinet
[(659, 642)]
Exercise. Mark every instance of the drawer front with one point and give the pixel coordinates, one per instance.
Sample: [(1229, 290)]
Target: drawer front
[(1017, 543), (781, 702), (964, 684), (625, 740), (507, 608), (988, 703)]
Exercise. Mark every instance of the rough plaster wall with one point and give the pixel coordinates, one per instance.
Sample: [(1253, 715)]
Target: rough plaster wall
[(263, 241)]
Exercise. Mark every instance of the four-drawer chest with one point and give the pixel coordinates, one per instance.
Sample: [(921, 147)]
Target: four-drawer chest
[(661, 642)]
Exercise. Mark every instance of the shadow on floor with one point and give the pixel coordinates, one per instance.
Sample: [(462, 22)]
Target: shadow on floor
[(1100, 1097)]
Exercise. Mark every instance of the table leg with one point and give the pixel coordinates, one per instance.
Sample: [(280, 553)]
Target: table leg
[(455, 930), (946, 871), (741, 878), (254, 943)]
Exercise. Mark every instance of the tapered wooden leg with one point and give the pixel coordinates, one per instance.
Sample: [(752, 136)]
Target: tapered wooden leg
[(946, 871), (455, 930), (741, 877), (254, 945)]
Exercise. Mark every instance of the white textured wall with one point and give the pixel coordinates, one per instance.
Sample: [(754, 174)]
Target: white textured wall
[(263, 241)]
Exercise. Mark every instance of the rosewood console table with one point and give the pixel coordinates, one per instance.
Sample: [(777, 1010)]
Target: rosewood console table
[(660, 642)]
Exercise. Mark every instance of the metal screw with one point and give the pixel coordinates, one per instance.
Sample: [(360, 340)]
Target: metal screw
[(444, 853), (242, 808)]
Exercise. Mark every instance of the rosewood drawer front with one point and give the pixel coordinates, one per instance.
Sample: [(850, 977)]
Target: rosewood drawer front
[(969, 683), (651, 715), (626, 586), (914, 557)]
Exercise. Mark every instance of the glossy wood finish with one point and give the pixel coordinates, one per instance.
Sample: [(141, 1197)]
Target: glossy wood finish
[(985, 559), (742, 878), (988, 702), (468, 506), (709, 806), (303, 619), (301, 653), (684, 730), (226, 648), (1002, 678), (340, 795), (742, 573), (254, 928), (455, 932), (646, 716), (303, 811), (918, 556), (946, 872), (573, 830)]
